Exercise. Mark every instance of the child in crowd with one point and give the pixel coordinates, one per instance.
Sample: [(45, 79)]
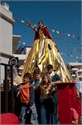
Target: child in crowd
[(35, 83), (45, 100), (26, 97)]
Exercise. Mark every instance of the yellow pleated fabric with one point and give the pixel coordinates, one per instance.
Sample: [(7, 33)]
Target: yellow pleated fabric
[(42, 53)]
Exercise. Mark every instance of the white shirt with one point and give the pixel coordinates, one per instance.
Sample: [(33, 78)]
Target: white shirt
[(51, 75)]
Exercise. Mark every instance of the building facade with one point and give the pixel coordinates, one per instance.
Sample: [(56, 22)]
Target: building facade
[(7, 41)]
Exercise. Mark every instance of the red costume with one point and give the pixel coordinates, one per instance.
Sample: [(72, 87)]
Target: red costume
[(46, 33)]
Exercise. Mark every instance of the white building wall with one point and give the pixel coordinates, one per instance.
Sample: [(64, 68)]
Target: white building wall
[(6, 40), (6, 28)]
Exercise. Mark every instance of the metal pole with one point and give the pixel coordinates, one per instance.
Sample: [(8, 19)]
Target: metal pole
[(6, 90), (12, 91)]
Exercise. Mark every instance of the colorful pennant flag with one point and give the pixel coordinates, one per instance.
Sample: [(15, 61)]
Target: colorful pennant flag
[(22, 21), (24, 43), (57, 32), (68, 35), (52, 30), (64, 54), (15, 19), (73, 36), (71, 55), (63, 33)]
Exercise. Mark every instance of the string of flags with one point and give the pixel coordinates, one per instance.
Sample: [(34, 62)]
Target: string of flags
[(64, 54), (63, 33), (56, 31)]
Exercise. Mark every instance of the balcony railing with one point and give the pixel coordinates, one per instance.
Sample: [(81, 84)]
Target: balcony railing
[(6, 88)]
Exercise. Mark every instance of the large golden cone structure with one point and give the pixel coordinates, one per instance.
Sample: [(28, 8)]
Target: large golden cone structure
[(42, 53)]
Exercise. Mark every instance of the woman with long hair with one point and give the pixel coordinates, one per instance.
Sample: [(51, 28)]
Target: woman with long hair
[(45, 100)]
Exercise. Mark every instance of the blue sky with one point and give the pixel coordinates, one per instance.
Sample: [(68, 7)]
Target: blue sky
[(62, 16)]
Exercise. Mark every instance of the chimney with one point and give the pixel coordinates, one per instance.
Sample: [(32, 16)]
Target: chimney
[(5, 5)]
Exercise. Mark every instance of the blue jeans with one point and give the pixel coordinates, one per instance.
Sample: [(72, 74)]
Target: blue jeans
[(45, 105), (54, 114), (34, 116), (22, 116)]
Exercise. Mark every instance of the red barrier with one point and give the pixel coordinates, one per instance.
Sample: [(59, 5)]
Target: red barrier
[(8, 118), (67, 99)]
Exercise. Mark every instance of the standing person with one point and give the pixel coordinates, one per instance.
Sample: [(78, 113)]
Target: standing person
[(55, 79), (17, 80), (36, 82), (78, 80), (25, 96), (43, 52), (45, 100)]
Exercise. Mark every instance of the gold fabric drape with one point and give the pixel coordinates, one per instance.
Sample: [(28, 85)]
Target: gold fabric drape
[(42, 53)]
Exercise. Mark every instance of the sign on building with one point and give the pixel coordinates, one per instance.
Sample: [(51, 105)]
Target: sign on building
[(13, 61)]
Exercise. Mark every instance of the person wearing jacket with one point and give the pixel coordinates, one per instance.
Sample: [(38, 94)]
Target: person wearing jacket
[(26, 93)]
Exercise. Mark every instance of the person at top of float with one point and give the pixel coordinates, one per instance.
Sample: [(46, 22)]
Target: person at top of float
[(39, 30)]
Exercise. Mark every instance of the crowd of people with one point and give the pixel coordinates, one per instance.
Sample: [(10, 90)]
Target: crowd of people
[(38, 97), (38, 94)]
